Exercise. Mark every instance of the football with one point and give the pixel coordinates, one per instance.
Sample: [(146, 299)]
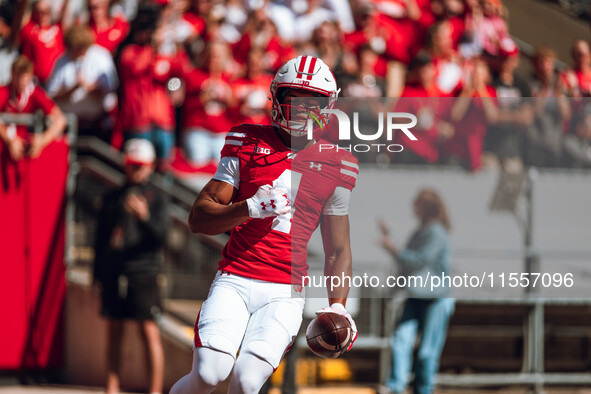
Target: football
[(329, 334)]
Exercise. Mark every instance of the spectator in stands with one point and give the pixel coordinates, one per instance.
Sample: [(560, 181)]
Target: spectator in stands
[(125, 9), (448, 66), (366, 83), (422, 98), (421, 78), (552, 109), (226, 22), (8, 47), (327, 44), (197, 15), (453, 12), (577, 81), (173, 30), (42, 41), (399, 9), (504, 139), (131, 232), (206, 112), (145, 108), (22, 96), (340, 9), (282, 16), (261, 31), (251, 92), (486, 30), (84, 81), (110, 31), (381, 34), (235, 19), (577, 144), (313, 17), (471, 113), (426, 312)]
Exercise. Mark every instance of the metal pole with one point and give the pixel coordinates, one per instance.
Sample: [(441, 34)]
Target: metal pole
[(70, 190), (534, 331), (532, 261)]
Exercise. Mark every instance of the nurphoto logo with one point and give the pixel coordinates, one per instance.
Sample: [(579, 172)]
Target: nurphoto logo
[(402, 121)]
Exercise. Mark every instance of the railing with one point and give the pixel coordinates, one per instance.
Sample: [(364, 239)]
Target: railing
[(190, 260)]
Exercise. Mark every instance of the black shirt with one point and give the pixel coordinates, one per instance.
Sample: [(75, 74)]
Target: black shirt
[(139, 249)]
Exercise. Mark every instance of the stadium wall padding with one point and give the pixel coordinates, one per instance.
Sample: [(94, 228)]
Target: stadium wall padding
[(32, 270)]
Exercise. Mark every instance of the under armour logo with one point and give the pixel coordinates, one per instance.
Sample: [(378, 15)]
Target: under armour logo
[(271, 204), (315, 166)]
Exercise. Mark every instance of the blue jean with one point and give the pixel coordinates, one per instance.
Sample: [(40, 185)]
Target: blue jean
[(429, 318), (202, 146), (163, 140)]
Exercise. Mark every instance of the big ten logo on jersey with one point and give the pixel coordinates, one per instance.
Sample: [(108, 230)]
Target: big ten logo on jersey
[(290, 181), (263, 151)]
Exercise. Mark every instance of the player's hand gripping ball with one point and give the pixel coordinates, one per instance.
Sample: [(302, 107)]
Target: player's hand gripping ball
[(332, 332), (268, 201)]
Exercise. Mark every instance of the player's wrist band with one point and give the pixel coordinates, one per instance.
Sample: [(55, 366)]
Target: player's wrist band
[(253, 212)]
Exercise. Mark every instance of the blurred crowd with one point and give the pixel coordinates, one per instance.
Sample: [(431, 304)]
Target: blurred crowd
[(181, 73)]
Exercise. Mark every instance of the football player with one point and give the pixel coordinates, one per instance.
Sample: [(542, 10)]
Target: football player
[(272, 188)]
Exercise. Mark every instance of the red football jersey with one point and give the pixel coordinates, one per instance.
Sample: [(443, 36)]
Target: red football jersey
[(274, 249)]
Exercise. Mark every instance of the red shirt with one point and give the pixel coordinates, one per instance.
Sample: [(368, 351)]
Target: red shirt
[(457, 29), (144, 101), (398, 37), (426, 20), (43, 46), (113, 35), (576, 83), (429, 109), (30, 101), (449, 74), (275, 249), (253, 105), (196, 22), (276, 53), (214, 114), (468, 138)]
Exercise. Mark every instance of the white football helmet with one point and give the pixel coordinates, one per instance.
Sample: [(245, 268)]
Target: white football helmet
[(307, 73)]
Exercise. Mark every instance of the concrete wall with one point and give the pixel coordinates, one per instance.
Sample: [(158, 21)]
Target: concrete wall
[(86, 345)]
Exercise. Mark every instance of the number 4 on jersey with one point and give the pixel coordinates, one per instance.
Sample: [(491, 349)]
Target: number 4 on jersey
[(290, 181)]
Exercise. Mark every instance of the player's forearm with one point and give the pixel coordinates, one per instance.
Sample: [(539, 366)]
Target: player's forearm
[(340, 265), (211, 218)]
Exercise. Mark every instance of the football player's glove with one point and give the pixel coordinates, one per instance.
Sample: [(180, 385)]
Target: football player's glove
[(268, 201), (340, 309)]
